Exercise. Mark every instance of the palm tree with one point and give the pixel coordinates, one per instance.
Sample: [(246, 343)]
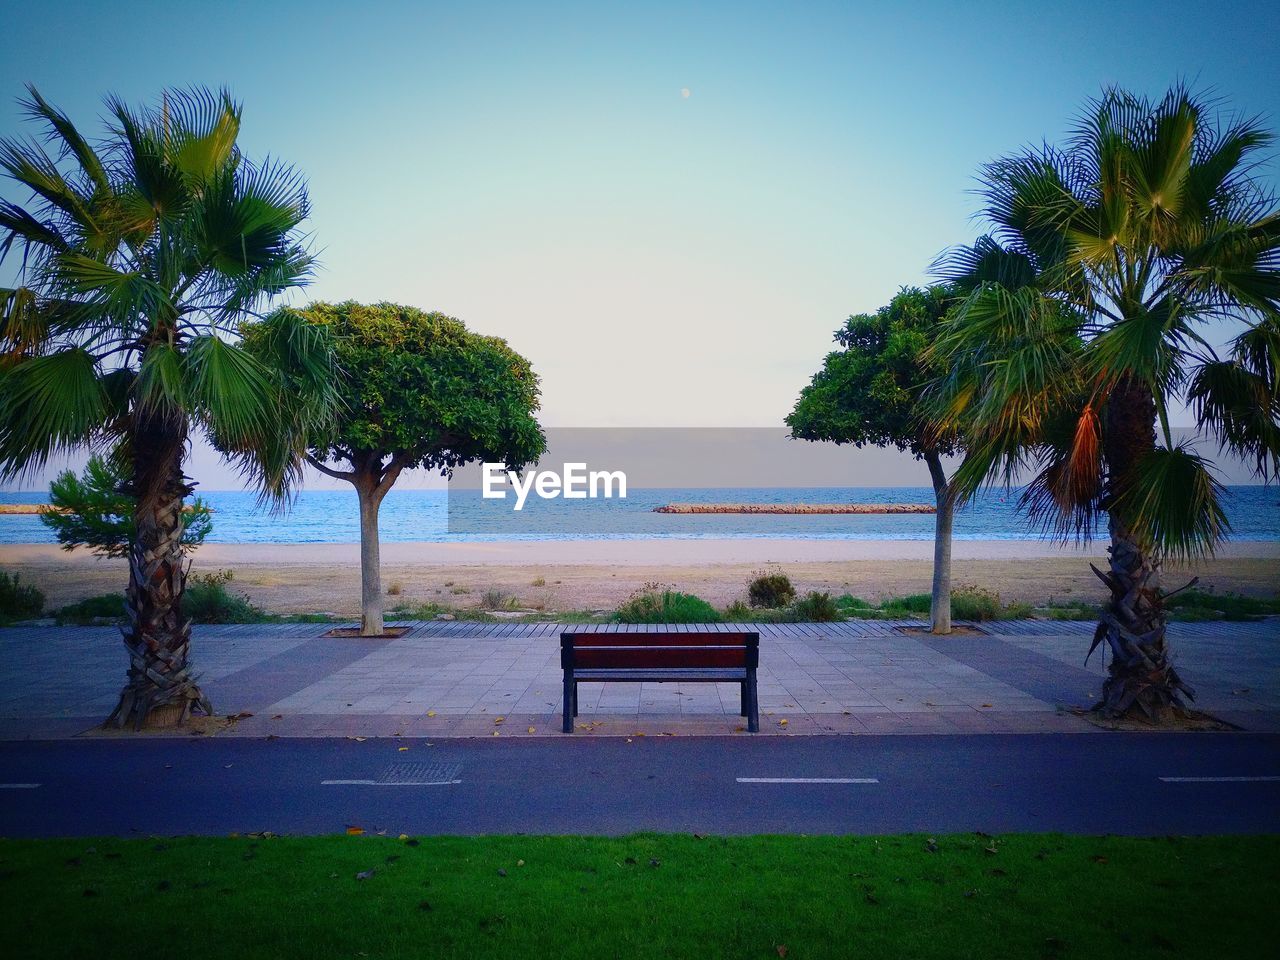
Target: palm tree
[(1088, 315), (140, 255)]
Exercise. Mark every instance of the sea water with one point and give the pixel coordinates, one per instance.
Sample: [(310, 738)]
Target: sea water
[(330, 516)]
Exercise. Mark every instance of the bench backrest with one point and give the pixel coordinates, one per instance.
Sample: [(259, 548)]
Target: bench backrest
[(589, 649)]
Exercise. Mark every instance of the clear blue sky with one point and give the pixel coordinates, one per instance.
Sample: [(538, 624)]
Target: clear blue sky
[(535, 169)]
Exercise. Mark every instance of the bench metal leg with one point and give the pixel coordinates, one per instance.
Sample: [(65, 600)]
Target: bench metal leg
[(753, 710), (570, 702)]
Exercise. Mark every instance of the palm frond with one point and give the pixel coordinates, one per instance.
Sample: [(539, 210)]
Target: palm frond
[(24, 227), (231, 392), (24, 327), (200, 128), (161, 388), (48, 404), (64, 132), (986, 261), (1174, 504), (1242, 409)]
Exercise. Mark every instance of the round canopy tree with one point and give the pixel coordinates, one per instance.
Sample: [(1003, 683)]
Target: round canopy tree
[(870, 393), (421, 390)]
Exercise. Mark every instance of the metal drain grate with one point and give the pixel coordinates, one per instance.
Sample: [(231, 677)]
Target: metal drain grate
[(416, 773)]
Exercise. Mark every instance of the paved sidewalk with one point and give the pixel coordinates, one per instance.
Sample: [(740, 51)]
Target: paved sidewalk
[(472, 679)]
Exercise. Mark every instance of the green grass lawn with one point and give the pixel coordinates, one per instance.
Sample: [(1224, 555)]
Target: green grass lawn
[(648, 895)]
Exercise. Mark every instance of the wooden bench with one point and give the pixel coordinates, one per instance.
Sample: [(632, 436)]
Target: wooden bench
[(698, 655)]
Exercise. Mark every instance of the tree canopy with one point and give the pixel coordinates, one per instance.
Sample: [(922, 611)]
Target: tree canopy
[(870, 392), (421, 389)]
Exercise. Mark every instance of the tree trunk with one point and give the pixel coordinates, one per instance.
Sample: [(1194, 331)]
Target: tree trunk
[(940, 603), (1141, 681), (158, 636), (370, 561)]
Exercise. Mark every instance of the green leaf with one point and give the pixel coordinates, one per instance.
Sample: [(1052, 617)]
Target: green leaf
[(48, 404), (1173, 504)]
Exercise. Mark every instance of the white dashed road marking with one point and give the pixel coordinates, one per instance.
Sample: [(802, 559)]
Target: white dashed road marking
[(807, 780), (18, 786), (380, 783), (1219, 779)]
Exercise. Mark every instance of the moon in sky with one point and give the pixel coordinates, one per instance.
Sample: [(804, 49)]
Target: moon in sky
[(686, 92)]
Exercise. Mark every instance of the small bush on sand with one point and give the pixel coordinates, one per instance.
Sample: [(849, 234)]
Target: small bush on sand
[(105, 606), (1208, 605), (654, 604), (975, 603), (770, 589), (909, 607), (1068, 610), (208, 600), (815, 607), (19, 601), (395, 589)]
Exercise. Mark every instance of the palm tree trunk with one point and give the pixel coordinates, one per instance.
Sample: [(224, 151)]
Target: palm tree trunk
[(1141, 681), (940, 604), (158, 636)]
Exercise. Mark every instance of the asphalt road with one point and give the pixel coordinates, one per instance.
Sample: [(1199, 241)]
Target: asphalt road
[(1090, 783)]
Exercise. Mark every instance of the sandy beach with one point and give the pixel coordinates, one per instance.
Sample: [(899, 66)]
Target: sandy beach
[(598, 574)]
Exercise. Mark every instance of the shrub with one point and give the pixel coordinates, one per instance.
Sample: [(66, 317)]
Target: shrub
[(815, 607), (19, 602), (94, 511), (105, 606), (207, 600), (738, 612), (770, 589), (395, 589), (1208, 605), (498, 600), (911, 606), (416, 611), (653, 604), (1069, 610), (975, 603)]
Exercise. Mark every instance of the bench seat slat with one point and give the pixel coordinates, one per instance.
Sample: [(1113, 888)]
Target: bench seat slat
[(662, 658), (655, 638), (660, 674)]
